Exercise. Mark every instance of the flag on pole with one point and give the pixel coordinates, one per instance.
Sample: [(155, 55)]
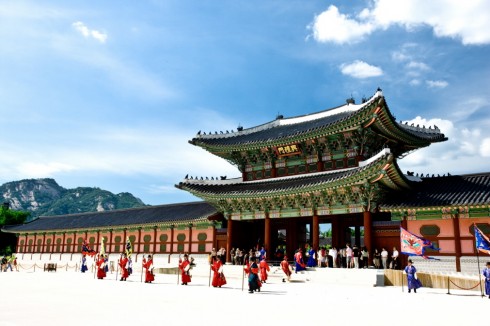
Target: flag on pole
[(413, 245), (129, 248), (481, 241), (102, 247), (86, 250)]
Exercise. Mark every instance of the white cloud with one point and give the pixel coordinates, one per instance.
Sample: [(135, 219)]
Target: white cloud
[(43, 169), (485, 147), (414, 82), (468, 20), (436, 83), (331, 26), (360, 69), (86, 32), (418, 65), (463, 152), (398, 56)]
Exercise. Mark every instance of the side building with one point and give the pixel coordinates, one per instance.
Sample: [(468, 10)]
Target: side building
[(165, 229)]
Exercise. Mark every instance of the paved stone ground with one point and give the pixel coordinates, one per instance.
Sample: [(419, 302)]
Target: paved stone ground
[(71, 298)]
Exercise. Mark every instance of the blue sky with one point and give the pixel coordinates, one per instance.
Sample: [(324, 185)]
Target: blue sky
[(107, 93)]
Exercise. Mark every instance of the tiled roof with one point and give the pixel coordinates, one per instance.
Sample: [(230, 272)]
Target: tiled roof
[(152, 215), (458, 190), (433, 135), (284, 128), (276, 131)]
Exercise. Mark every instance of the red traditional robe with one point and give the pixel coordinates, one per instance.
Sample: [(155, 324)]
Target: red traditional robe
[(123, 263), (184, 267), (218, 276), (286, 268), (148, 265), (100, 268), (264, 268)]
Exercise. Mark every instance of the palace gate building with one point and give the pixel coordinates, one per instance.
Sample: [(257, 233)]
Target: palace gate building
[(336, 167)]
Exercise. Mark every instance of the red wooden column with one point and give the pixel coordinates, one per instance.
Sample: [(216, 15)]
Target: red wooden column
[(124, 239), (171, 240), (229, 235), (44, 243), (267, 235), (368, 230), (190, 239), (98, 242), (457, 242), (63, 244), (17, 244), (74, 248), (139, 241), (335, 232), (315, 232), (110, 241), (34, 248), (155, 239)]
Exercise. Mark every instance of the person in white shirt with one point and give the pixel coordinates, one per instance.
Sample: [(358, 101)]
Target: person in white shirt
[(349, 253), (384, 257), (333, 252), (394, 257)]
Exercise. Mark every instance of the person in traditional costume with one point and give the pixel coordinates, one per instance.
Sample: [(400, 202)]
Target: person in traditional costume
[(100, 267), (298, 260), (252, 270), (286, 268), (130, 265), (311, 258), (185, 267), (264, 268), (84, 267), (148, 266), (486, 274), (106, 261), (123, 265), (412, 281), (218, 276)]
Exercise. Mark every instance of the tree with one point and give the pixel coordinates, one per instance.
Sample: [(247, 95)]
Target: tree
[(9, 217)]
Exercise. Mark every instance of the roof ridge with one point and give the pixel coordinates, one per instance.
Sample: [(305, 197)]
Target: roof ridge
[(293, 120)]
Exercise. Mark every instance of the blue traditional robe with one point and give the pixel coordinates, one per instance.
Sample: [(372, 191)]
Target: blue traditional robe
[(486, 273), (413, 283), (311, 258), (84, 265)]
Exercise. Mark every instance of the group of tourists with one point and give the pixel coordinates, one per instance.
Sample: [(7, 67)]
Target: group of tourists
[(348, 257), (9, 262), (240, 257)]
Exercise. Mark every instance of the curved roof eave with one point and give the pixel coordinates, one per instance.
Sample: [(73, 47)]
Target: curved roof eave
[(388, 170)]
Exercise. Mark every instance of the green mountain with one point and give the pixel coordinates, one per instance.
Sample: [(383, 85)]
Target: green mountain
[(44, 197)]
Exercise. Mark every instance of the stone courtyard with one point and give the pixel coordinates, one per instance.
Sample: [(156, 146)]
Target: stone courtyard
[(73, 298)]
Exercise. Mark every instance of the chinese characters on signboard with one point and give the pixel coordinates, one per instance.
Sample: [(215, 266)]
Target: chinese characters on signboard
[(288, 150)]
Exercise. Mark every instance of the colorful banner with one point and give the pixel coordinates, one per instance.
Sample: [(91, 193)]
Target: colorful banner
[(481, 241), (413, 245)]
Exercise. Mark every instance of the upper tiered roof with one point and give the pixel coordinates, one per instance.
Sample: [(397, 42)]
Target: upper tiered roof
[(373, 113)]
